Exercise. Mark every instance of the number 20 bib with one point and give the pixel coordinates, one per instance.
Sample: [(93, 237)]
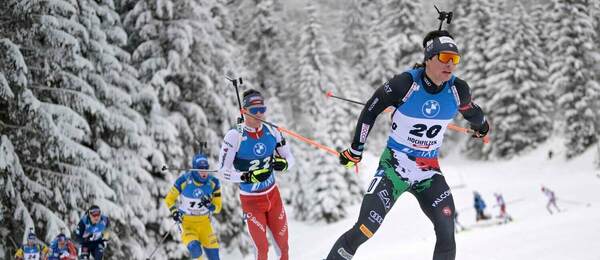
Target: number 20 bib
[(419, 124)]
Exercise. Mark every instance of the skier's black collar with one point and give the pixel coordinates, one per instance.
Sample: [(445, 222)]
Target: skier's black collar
[(431, 87)]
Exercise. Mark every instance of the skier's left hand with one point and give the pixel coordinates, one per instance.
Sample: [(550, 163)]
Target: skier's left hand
[(279, 164), (480, 131), (207, 202), (255, 175)]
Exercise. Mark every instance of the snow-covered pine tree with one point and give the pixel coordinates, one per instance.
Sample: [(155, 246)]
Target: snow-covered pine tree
[(124, 141), (475, 26), (261, 36), (181, 52), (403, 23), (472, 32), (15, 217), (595, 55), (323, 190), (572, 74), (111, 129), (54, 175), (517, 74), (458, 25), (381, 58), (356, 37)]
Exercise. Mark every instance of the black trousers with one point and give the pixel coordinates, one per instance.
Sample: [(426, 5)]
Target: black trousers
[(434, 197), (95, 249)]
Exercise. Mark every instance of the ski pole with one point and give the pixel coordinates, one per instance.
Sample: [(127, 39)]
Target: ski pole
[(587, 204), (234, 82), (301, 138), (165, 168), (162, 240), (298, 136), (453, 127)]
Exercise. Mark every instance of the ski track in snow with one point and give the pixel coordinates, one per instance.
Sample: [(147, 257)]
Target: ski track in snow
[(406, 232)]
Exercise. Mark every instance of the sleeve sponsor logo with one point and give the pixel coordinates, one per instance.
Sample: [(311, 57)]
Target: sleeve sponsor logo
[(455, 94), (364, 132), (375, 101), (414, 87), (387, 87)]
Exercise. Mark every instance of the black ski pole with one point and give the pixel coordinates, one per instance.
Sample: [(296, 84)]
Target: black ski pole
[(234, 82), (161, 241), (330, 94)]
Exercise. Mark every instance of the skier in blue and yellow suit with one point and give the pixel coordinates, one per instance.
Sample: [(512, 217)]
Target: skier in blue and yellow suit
[(199, 196)]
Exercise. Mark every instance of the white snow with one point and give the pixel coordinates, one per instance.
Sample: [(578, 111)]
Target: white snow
[(535, 234)]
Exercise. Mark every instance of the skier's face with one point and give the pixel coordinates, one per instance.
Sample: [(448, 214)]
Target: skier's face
[(203, 175), (200, 176), (94, 216), (258, 112), (440, 71)]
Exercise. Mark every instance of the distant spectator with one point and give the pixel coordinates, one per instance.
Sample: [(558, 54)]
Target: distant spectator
[(551, 199), (479, 205)]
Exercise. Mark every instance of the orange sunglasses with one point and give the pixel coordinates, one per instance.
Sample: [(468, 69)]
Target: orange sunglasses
[(444, 57)]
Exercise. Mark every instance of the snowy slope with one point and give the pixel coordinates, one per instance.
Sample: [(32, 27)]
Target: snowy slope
[(407, 234)]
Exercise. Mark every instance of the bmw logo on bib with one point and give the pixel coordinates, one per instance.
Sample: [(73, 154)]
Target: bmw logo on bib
[(260, 149), (197, 193), (431, 108)]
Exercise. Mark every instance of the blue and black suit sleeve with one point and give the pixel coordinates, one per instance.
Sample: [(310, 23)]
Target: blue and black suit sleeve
[(390, 94), (469, 110), (80, 231)]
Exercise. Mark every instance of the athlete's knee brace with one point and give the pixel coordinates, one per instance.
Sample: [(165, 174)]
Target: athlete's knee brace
[(195, 249), (212, 253)]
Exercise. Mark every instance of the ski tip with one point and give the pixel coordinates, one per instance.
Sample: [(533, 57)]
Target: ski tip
[(329, 93)]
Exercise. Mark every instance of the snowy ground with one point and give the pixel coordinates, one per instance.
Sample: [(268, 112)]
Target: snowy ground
[(407, 234)]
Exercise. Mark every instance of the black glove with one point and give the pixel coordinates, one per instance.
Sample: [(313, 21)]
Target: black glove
[(349, 159), (279, 164), (176, 214), (255, 175), (480, 131), (207, 202)]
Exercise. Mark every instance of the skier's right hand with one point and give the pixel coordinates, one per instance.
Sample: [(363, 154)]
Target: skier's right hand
[(255, 175), (349, 158), (176, 214)]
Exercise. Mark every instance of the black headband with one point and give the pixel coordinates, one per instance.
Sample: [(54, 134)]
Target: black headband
[(439, 44), (254, 99)]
